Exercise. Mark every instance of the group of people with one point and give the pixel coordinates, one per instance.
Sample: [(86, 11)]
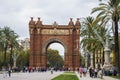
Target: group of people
[(5, 71), (83, 71), (93, 72), (33, 69)]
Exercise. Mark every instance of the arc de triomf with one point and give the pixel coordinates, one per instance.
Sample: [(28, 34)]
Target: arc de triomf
[(41, 36)]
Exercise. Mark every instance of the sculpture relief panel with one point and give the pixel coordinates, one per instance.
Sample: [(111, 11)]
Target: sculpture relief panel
[(55, 31)]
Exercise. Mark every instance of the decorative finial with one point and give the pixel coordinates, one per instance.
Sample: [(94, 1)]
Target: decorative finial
[(39, 22), (71, 19), (31, 22), (31, 18), (77, 22), (78, 19), (71, 22), (39, 18), (55, 24)]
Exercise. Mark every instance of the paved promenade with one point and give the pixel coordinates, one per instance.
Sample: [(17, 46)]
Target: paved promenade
[(31, 76), (45, 76), (89, 78)]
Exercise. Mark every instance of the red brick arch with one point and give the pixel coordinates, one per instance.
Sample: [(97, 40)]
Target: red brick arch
[(49, 41), (41, 36)]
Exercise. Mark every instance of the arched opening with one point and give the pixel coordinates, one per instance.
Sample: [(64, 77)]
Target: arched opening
[(59, 47), (55, 55)]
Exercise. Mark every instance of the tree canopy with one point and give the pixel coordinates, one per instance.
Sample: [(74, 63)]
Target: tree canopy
[(54, 59)]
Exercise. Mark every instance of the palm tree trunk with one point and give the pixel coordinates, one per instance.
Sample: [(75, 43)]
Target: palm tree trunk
[(93, 58), (117, 46), (103, 55), (11, 56), (5, 50)]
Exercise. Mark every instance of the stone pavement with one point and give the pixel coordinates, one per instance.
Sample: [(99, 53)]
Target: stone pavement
[(45, 76), (109, 78), (31, 76), (89, 78)]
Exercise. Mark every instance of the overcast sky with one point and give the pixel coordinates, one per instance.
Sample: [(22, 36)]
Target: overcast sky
[(16, 13)]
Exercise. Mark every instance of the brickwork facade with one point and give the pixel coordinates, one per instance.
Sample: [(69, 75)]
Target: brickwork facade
[(41, 36)]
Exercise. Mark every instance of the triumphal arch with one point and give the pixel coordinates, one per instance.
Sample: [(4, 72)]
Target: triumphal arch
[(41, 36)]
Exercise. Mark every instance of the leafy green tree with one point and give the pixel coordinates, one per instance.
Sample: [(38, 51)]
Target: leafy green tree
[(23, 58), (111, 11), (82, 60), (54, 59)]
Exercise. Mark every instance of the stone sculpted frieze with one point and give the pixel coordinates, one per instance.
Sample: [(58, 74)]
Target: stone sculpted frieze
[(55, 31)]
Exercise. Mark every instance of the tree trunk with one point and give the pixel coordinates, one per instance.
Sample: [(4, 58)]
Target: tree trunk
[(94, 59), (5, 50), (11, 50), (103, 60), (117, 46)]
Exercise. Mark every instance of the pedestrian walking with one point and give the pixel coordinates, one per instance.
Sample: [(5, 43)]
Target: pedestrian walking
[(100, 73), (51, 70), (84, 71), (81, 71), (4, 72), (9, 71), (90, 72), (93, 73), (96, 72)]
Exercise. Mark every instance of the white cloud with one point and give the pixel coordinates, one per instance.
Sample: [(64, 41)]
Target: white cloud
[(17, 13)]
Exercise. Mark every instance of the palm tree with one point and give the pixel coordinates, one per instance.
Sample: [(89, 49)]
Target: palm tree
[(8, 41), (5, 33), (1, 48), (111, 11), (13, 43), (1, 42), (87, 32), (90, 41)]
